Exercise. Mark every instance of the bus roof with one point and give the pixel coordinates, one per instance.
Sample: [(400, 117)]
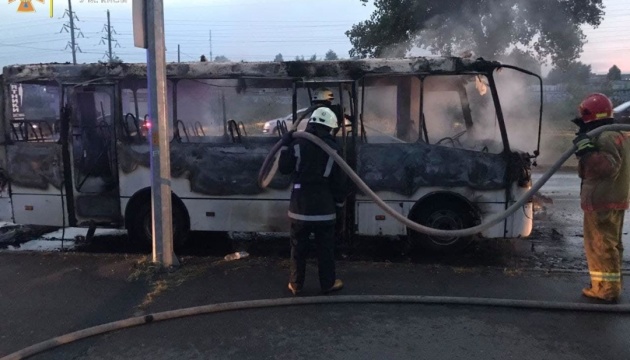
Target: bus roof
[(333, 70)]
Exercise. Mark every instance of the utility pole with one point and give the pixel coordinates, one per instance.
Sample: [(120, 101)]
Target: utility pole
[(109, 37), (74, 53), (107, 28), (159, 141), (71, 28), (178, 54), (211, 58)]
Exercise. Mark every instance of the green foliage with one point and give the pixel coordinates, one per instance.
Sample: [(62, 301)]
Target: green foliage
[(548, 28), (614, 73), (331, 55), (313, 57)]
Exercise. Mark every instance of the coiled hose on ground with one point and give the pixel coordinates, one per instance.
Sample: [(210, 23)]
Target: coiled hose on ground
[(265, 176)]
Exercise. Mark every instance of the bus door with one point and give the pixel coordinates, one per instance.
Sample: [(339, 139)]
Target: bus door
[(92, 149), (32, 156)]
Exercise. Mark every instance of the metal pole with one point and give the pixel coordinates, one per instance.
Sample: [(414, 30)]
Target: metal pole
[(159, 142), (178, 54), (74, 46), (109, 37)]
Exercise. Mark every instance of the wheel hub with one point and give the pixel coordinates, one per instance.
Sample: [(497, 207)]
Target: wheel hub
[(445, 220)]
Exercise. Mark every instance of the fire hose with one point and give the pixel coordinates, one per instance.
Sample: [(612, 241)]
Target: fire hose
[(315, 300), (265, 175), (269, 168)]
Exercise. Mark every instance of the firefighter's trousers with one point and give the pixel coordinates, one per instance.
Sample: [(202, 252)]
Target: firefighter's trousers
[(324, 233), (604, 251)]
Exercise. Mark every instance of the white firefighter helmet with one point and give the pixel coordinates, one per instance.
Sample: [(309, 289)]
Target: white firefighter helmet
[(324, 116), (323, 94)]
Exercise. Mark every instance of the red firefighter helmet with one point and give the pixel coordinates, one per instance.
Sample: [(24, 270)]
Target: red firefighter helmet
[(596, 107)]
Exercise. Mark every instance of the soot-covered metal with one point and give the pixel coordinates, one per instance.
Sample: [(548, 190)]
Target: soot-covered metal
[(211, 169), (338, 70), (33, 165), (404, 168)]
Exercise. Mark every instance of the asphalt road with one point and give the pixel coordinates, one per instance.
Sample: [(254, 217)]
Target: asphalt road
[(558, 236), (48, 295), (43, 295)]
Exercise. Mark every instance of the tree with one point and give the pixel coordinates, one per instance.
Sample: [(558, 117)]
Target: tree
[(221, 58), (574, 73), (331, 55), (278, 58), (549, 28), (313, 57), (523, 59), (203, 58), (299, 58), (614, 73)]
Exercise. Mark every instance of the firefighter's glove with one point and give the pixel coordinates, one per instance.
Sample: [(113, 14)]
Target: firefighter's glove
[(584, 145), (287, 138)]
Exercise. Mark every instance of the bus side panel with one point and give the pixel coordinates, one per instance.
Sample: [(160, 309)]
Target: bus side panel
[(39, 210), (371, 220), (238, 215), (520, 223), (264, 212), (6, 207), (405, 168), (36, 183)]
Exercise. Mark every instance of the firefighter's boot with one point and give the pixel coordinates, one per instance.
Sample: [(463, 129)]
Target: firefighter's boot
[(294, 288), (338, 285), (605, 291)]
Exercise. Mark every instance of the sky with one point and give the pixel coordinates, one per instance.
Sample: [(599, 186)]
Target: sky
[(247, 30)]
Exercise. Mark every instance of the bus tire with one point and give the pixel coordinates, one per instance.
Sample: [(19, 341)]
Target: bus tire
[(139, 224), (445, 213)]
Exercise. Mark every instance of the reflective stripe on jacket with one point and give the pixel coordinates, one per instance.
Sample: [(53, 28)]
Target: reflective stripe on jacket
[(605, 173)]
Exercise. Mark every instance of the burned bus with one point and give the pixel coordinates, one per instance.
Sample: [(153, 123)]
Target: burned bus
[(431, 136)]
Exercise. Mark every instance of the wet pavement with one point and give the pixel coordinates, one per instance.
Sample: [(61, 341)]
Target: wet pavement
[(558, 234), (43, 295), (46, 295)]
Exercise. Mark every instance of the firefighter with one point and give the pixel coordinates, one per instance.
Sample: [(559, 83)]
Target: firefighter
[(325, 97), (318, 189), (604, 167)]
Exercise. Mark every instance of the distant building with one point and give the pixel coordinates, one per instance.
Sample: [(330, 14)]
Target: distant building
[(618, 90), (551, 93)]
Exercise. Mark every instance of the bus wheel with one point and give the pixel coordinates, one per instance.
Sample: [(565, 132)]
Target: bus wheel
[(444, 214), (139, 226)]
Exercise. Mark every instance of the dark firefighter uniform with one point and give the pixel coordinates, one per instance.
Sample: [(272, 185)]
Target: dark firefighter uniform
[(604, 167), (318, 191)]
